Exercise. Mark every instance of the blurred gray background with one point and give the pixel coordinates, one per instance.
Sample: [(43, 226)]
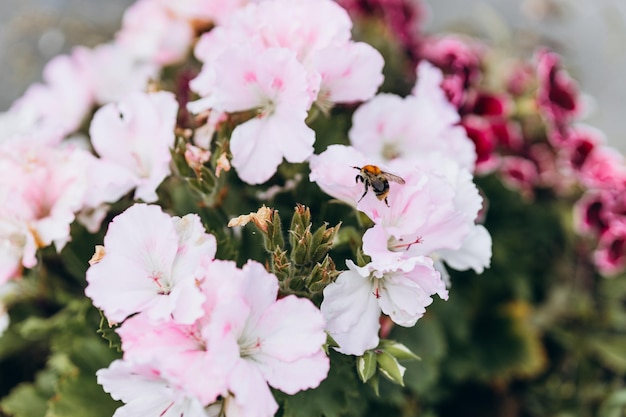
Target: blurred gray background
[(591, 34)]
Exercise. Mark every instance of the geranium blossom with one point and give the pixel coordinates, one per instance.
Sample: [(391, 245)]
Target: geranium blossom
[(41, 189), (245, 340), (333, 172), (111, 83), (136, 134), (402, 289), (432, 214), (150, 31), (272, 84), (413, 128), (58, 106), (151, 264), (146, 391)]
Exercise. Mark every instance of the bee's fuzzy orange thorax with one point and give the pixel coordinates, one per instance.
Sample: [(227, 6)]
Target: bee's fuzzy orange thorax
[(372, 169)]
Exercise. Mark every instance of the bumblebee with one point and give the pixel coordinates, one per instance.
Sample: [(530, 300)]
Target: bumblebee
[(372, 176)]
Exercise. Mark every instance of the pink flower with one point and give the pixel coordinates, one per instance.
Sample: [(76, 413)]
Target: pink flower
[(136, 135), (52, 110), (557, 95), (151, 264), (41, 189), (433, 214), (146, 391), (151, 32), (349, 72), (460, 59), (414, 128), (402, 289), (480, 132), (112, 83), (245, 340), (203, 11), (519, 174), (333, 172), (592, 212), (403, 17), (610, 256), (273, 85), (603, 168)]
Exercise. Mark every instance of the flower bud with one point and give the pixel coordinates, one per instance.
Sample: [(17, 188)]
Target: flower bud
[(366, 365), (390, 368)]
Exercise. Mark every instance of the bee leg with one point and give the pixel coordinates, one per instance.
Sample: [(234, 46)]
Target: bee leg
[(387, 202), (366, 184), (358, 178)]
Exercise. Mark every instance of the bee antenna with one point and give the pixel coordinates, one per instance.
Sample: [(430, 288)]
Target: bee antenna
[(359, 168)]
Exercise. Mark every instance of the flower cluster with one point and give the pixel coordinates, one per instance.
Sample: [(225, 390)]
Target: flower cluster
[(198, 332), (131, 144)]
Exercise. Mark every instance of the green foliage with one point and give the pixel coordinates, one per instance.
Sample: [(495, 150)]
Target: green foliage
[(340, 395)]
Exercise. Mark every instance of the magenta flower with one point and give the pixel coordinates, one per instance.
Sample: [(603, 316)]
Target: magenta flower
[(610, 256)]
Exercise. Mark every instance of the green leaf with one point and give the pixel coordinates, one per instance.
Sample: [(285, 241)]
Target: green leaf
[(26, 400), (109, 334), (81, 396), (614, 405), (611, 351), (366, 365)]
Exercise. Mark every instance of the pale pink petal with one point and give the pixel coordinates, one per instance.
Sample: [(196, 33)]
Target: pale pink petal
[(350, 72), (291, 377), (290, 329), (251, 395), (137, 134), (351, 311), (333, 172), (475, 253)]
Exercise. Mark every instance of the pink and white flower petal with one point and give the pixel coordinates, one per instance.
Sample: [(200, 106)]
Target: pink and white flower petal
[(146, 392), (352, 311), (137, 134), (291, 377), (151, 32), (251, 397), (258, 146), (149, 267), (333, 172), (111, 83), (475, 253), (350, 72)]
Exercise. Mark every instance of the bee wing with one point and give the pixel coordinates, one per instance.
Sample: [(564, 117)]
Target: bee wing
[(392, 177)]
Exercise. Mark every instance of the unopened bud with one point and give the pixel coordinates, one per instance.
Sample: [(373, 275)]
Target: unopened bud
[(366, 365), (223, 164), (390, 368), (196, 157)]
